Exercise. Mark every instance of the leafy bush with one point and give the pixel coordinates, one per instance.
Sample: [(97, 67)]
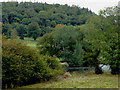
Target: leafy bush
[(52, 62), (23, 65)]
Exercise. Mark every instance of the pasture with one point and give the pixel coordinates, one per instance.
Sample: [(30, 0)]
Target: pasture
[(30, 42), (77, 80)]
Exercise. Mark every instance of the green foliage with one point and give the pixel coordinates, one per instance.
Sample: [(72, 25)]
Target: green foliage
[(54, 65), (63, 43), (22, 64), (112, 37), (69, 47), (46, 15), (52, 61), (6, 30), (46, 45), (21, 30), (101, 35), (25, 21), (34, 30)]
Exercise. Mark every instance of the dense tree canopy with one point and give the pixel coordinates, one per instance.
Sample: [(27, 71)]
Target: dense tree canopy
[(46, 15), (102, 35), (64, 43), (34, 30)]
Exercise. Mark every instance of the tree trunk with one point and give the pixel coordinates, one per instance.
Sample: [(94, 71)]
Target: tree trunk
[(98, 69)]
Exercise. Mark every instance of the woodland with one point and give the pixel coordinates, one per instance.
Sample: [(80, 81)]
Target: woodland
[(62, 33)]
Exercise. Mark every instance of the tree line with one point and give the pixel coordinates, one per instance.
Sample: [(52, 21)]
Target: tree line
[(96, 42), (22, 16)]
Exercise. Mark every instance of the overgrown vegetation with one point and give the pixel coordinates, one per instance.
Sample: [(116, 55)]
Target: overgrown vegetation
[(63, 43), (22, 64), (62, 38)]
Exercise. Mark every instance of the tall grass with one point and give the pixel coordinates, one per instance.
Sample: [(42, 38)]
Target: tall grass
[(86, 80)]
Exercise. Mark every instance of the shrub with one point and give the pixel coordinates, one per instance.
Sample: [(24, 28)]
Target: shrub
[(52, 62), (23, 65), (54, 65)]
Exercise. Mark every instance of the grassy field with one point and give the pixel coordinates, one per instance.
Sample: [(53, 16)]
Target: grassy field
[(77, 80), (30, 42)]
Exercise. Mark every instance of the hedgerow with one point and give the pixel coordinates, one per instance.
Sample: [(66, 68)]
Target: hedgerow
[(22, 65)]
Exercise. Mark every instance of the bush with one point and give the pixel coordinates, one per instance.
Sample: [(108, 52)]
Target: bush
[(23, 65), (52, 62), (115, 68)]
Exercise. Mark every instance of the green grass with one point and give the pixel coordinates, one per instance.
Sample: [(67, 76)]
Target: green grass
[(30, 42), (81, 81), (30, 39)]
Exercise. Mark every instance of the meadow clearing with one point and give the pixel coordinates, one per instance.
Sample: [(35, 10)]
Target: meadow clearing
[(77, 80), (30, 42)]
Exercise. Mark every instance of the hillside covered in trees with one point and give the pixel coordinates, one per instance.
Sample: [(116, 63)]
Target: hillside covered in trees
[(22, 16)]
